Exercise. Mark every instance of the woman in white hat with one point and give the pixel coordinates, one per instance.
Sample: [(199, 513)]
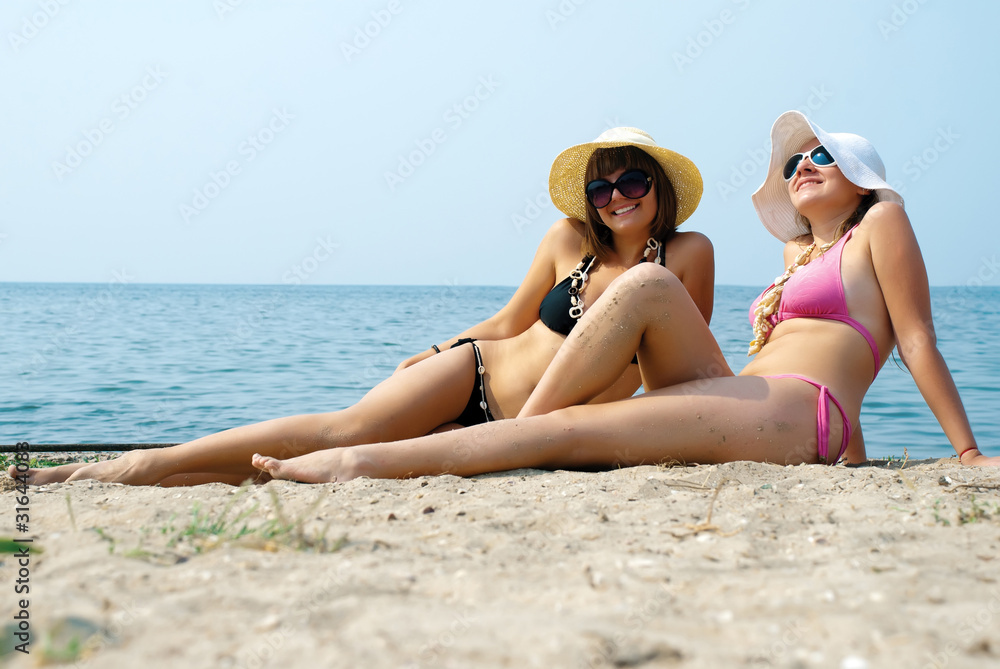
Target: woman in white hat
[(624, 196), (855, 287)]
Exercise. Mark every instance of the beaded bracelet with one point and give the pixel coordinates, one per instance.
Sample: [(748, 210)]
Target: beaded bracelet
[(437, 350)]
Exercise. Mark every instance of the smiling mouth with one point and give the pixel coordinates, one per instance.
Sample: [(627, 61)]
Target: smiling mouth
[(624, 210), (804, 183)]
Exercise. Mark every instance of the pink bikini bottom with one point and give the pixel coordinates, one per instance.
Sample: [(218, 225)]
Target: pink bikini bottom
[(823, 420)]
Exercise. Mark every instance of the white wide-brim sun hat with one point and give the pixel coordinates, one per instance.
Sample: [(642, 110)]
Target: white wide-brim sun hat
[(855, 156), (567, 178)]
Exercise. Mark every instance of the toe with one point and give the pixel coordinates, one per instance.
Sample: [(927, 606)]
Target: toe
[(266, 463)]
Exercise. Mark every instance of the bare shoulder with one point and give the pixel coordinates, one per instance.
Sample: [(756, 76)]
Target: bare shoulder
[(688, 253), (565, 236), (566, 228), (691, 242), (885, 226), (885, 218)]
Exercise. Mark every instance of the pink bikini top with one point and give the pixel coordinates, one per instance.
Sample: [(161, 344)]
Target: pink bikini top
[(816, 290)]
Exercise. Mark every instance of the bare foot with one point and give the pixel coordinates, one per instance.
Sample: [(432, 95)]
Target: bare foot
[(325, 466), (132, 468), (44, 475)]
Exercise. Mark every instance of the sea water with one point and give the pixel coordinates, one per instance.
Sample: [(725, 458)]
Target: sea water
[(125, 363)]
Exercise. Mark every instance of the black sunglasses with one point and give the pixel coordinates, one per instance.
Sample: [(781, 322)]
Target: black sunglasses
[(633, 184), (819, 157)]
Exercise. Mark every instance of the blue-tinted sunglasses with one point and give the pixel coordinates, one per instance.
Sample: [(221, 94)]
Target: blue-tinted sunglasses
[(819, 157)]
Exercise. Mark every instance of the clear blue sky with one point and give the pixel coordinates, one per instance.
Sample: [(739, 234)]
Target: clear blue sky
[(219, 141)]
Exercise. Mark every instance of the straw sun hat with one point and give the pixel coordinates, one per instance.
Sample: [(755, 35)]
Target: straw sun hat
[(855, 156), (568, 174)]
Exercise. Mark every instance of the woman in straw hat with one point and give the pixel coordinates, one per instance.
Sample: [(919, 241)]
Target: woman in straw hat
[(855, 287), (624, 196)]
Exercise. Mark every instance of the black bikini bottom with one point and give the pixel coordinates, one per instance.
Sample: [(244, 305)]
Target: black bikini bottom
[(477, 410)]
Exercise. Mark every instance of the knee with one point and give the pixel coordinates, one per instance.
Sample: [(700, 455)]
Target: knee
[(647, 283), (647, 278)]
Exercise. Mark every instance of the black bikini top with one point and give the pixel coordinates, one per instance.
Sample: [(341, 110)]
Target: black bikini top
[(554, 310)]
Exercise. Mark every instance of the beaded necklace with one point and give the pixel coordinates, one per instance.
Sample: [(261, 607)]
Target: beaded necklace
[(581, 274), (771, 299)]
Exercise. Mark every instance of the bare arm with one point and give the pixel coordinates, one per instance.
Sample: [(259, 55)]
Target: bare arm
[(695, 267), (522, 310), (902, 276), (855, 453)]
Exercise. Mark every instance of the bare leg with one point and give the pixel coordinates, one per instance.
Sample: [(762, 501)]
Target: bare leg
[(63, 472), (47, 474), (704, 421), (410, 403), (646, 310)]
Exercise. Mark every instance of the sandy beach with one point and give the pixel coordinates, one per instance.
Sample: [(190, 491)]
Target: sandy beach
[(732, 565)]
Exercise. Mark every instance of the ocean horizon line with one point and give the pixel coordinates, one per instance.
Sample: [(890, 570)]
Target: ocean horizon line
[(363, 285)]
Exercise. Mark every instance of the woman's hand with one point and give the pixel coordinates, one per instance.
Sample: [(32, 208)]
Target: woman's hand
[(414, 359)]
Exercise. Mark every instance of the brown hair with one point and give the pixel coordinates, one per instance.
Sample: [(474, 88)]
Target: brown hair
[(868, 200), (598, 240), (771, 299)]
